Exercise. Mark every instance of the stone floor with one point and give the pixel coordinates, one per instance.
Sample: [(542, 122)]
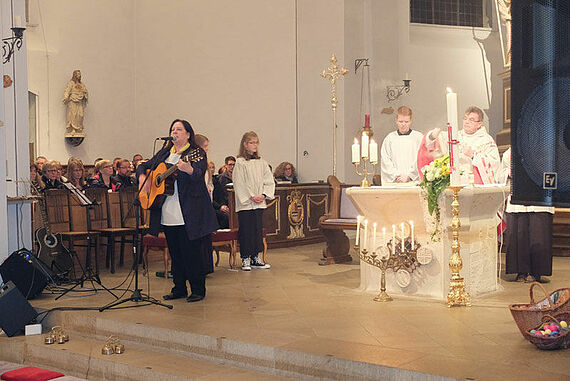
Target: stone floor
[(300, 306)]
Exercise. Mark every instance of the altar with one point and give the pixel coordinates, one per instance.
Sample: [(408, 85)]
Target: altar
[(389, 206)]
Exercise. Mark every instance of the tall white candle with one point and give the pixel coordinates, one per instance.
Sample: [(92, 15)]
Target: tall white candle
[(365, 140), (373, 151), (18, 22), (412, 233), (356, 151), (383, 236), (394, 239), (374, 237), (451, 99), (402, 231), (365, 239), (358, 218)]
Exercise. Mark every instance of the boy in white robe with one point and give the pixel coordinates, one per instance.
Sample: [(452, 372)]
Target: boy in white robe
[(399, 151)]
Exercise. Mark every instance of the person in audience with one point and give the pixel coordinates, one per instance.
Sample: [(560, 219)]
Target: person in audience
[(400, 150), (36, 178), (123, 175), (477, 151), (286, 172), (76, 173), (40, 161), (222, 169), (136, 159), (528, 236), (60, 175), (116, 162), (51, 177), (220, 201), (204, 143), (253, 184), (187, 216), (103, 177), (210, 178)]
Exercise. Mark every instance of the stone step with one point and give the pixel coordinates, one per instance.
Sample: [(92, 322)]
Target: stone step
[(152, 341)]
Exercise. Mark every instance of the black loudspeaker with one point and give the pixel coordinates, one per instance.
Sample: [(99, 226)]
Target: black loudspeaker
[(15, 311), (26, 271), (540, 95)]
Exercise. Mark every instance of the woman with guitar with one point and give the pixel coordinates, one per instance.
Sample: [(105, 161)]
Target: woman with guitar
[(183, 210)]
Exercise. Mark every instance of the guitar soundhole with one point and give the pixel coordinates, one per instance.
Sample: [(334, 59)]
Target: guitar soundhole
[(158, 181), (50, 241)]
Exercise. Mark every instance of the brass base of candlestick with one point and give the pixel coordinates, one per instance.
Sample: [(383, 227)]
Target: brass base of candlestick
[(364, 173), (364, 183), (383, 295), (457, 296)]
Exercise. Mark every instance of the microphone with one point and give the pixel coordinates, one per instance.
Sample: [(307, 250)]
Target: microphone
[(167, 138)]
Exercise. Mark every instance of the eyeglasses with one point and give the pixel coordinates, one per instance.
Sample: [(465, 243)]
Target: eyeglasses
[(108, 166), (231, 165), (470, 120)]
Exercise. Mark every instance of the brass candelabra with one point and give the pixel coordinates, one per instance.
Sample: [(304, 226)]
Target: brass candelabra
[(457, 296), (364, 171), (402, 259)]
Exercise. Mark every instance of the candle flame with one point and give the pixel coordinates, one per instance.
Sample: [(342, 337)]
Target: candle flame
[(449, 90), (374, 224), (355, 141), (358, 218), (383, 230)]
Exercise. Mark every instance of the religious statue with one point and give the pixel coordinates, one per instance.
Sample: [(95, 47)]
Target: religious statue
[(75, 98), (505, 11)]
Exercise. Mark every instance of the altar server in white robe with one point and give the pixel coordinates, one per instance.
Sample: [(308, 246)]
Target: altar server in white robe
[(399, 151), (477, 150)]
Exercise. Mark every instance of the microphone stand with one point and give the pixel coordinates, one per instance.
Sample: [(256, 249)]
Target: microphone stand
[(137, 295)]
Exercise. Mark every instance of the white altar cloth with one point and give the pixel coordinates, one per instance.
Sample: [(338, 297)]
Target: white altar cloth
[(478, 236)]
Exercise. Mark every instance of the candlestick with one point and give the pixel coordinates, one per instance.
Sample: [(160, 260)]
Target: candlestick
[(365, 141), (356, 151), (394, 239), (373, 154), (365, 239), (412, 233), (374, 237), (357, 229)]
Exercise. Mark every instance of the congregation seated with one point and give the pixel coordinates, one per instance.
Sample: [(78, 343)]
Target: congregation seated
[(103, 177), (286, 172), (76, 173), (51, 177), (124, 174), (220, 194)]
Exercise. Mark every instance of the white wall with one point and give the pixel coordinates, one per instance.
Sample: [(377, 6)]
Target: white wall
[(229, 69)]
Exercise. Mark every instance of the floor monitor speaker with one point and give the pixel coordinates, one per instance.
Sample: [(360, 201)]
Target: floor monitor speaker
[(15, 311)]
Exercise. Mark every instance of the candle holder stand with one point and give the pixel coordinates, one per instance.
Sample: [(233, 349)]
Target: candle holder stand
[(457, 296), (364, 164), (399, 260)]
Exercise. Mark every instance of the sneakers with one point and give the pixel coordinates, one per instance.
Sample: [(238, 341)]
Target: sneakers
[(245, 264), (257, 264)]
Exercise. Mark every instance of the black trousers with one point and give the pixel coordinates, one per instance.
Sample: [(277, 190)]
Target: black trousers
[(250, 233), (529, 247), (187, 260)]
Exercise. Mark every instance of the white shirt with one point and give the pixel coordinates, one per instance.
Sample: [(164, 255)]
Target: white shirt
[(171, 211), (252, 178), (398, 156)]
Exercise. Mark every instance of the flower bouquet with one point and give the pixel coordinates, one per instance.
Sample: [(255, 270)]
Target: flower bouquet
[(436, 179)]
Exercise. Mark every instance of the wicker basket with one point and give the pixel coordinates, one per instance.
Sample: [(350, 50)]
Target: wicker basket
[(529, 316), (562, 341)]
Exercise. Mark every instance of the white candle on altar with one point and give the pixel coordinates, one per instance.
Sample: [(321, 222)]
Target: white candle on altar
[(373, 151), (357, 229), (394, 239), (451, 99), (365, 140), (365, 238), (412, 233), (402, 231), (374, 237), (383, 236), (18, 22), (356, 151)]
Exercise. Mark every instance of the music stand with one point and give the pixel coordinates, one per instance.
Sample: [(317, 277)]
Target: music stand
[(87, 272), (137, 295)]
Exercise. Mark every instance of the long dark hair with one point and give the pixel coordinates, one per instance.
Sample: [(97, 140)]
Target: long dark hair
[(250, 135), (188, 128)]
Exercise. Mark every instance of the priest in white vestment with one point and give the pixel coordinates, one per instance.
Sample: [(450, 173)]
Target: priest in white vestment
[(477, 150), (400, 150)]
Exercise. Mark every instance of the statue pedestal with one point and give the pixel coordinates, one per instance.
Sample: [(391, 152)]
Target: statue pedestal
[(478, 237), (74, 139)]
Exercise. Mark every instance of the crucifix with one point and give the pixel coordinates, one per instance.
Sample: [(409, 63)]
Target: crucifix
[(332, 73)]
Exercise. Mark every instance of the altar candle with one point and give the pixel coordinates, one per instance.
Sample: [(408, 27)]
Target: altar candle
[(373, 151), (402, 230), (18, 22), (394, 239), (412, 232), (451, 98), (357, 229), (365, 240), (374, 237), (356, 151), (365, 140), (383, 236)]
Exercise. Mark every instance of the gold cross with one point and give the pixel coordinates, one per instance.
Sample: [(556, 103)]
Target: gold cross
[(332, 73)]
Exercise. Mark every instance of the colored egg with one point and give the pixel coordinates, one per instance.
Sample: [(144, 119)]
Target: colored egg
[(547, 331), (563, 324), (533, 331)]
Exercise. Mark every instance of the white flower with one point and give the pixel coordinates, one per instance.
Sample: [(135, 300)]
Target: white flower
[(430, 176)]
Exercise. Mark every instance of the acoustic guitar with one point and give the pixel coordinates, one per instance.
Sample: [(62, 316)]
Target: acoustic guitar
[(161, 181), (50, 247)]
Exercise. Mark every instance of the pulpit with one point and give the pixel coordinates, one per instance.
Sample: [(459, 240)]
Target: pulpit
[(389, 206)]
